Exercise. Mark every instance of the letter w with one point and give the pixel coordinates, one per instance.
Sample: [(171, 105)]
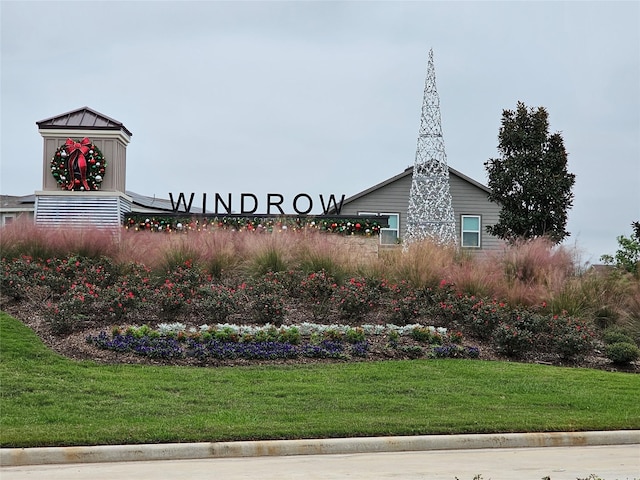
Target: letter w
[(176, 206), (327, 207)]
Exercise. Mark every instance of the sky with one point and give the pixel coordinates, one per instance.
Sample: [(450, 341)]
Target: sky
[(325, 97)]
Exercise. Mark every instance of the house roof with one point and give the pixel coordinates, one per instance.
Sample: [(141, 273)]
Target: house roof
[(15, 201), (11, 203), (409, 171), (84, 118), (154, 203)]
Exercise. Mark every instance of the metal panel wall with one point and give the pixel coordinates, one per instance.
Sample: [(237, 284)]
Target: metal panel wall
[(84, 210)]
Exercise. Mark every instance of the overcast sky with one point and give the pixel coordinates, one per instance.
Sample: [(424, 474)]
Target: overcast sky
[(325, 97)]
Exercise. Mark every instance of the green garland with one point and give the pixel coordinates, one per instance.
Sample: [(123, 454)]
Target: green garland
[(96, 166), (345, 226)]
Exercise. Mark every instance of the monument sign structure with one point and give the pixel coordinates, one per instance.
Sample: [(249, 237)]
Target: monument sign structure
[(430, 214), (84, 171)]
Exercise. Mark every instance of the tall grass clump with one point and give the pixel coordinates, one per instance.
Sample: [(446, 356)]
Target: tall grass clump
[(534, 268), (220, 254), (179, 253), (316, 252), (267, 253), (24, 238), (475, 275), (423, 264)]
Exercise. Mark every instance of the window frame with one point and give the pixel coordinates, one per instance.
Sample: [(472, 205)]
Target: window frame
[(463, 231), (385, 229)]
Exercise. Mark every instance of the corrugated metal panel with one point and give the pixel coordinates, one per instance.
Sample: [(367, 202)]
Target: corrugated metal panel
[(81, 210)]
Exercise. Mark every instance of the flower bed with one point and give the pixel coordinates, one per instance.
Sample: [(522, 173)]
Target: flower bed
[(310, 340), (367, 317)]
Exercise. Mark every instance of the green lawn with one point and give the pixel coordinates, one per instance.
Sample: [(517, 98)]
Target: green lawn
[(49, 400)]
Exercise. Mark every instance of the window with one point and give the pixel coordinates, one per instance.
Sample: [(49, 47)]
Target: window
[(390, 234), (470, 231)]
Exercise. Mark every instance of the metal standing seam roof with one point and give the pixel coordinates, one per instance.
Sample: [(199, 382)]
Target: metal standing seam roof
[(85, 118)]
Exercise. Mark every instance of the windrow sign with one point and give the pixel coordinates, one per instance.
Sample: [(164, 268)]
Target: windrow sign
[(302, 204)]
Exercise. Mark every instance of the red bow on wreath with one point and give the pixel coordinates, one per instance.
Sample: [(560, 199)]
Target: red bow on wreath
[(76, 152)]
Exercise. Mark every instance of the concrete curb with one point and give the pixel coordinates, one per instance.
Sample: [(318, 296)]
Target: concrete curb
[(10, 457)]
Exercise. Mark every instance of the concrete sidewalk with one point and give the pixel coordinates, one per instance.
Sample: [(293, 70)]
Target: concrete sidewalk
[(11, 457)]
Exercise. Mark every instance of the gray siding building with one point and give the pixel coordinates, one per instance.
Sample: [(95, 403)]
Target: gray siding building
[(472, 208)]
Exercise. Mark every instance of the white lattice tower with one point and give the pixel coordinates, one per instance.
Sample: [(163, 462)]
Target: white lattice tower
[(430, 214)]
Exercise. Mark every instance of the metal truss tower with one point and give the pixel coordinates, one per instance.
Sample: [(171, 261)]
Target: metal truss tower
[(430, 214)]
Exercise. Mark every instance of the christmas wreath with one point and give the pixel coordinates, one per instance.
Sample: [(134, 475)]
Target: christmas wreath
[(78, 165)]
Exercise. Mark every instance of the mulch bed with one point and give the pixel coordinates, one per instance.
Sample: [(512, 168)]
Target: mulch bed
[(74, 346)]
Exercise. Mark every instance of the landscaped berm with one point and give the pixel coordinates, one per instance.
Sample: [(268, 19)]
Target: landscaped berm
[(264, 304)]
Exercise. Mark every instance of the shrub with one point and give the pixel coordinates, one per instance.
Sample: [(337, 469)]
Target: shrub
[(514, 340), (616, 336), (569, 337), (124, 298), (317, 289), (74, 307), (290, 281), (268, 308), (484, 316), (17, 276), (354, 299), (405, 304), (622, 353), (177, 287), (216, 301)]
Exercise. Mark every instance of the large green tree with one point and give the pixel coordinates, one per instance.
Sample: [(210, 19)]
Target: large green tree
[(530, 179), (628, 255)]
